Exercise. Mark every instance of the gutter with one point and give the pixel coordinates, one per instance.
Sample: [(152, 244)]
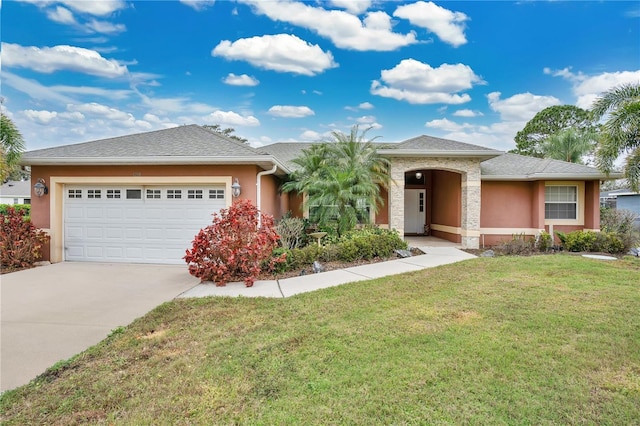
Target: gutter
[(259, 193)]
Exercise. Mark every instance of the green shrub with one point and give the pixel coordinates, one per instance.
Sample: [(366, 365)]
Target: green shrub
[(369, 242), (544, 242), (305, 256), (26, 208), (609, 242), (580, 241), (620, 222)]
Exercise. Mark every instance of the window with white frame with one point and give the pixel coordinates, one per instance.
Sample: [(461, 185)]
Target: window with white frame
[(561, 202)]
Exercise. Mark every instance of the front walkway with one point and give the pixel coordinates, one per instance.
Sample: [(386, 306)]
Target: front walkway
[(434, 256)]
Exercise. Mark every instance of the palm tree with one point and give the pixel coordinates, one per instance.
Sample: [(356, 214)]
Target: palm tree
[(569, 145), (11, 146), (621, 130), (342, 178)]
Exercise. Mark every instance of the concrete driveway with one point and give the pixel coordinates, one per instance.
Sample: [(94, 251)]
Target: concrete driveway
[(51, 313)]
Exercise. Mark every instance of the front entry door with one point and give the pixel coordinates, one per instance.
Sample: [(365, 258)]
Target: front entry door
[(414, 211)]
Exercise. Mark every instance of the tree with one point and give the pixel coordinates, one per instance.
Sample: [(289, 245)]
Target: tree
[(569, 145), (11, 147), (227, 133), (342, 178), (621, 130), (547, 122)]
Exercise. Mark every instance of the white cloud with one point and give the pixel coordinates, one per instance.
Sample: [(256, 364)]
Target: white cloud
[(34, 89), (467, 113), (521, 107), (280, 52), (446, 125), (369, 121), (310, 135), (419, 83), (240, 80), (447, 25), (291, 111), (230, 118), (97, 8), (98, 110), (104, 27), (362, 106), (61, 15), (344, 29), (42, 117), (353, 6), (93, 91), (198, 4), (588, 88), (68, 58)]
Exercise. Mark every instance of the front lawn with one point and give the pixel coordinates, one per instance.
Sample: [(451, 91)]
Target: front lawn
[(534, 340)]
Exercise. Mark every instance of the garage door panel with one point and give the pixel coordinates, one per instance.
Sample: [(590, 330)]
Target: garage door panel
[(95, 233), (155, 228), (133, 233), (113, 233), (95, 252), (113, 213)]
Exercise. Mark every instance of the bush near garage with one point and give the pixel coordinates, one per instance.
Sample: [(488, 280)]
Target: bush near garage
[(233, 247), (20, 241)]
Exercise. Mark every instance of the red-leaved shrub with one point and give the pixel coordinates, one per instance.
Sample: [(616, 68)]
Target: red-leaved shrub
[(20, 241), (233, 248)]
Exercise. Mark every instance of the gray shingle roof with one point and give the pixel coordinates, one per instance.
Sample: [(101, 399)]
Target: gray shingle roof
[(182, 141), (286, 151), (193, 144), (519, 167), (430, 143), (16, 187)]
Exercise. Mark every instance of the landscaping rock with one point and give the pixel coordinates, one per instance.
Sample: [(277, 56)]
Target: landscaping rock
[(635, 251), (403, 253), (317, 267), (488, 253)]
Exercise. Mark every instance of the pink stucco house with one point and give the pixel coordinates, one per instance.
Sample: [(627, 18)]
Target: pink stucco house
[(142, 197)]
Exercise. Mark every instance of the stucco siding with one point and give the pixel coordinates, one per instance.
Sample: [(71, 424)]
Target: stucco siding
[(445, 198), (506, 205)]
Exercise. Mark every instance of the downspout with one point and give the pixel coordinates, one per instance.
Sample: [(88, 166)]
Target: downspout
[(258, 191)]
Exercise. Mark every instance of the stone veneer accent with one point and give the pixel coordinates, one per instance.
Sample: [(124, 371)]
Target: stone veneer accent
[(469, 168)]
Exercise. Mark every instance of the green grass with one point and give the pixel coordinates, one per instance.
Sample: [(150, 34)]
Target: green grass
[(537, 340)]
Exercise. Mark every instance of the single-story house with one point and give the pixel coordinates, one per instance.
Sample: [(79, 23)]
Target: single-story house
[(15, 192), (142, 197)]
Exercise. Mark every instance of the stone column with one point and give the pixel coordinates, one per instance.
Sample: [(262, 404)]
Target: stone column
[(396, 197), (471, 208)]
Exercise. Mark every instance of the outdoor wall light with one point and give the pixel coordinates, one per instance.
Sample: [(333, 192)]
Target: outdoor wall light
[(40, 188), (235, 188), (418, 175)]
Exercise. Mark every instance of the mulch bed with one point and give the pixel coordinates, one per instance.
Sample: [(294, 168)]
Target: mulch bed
[(330, 266)]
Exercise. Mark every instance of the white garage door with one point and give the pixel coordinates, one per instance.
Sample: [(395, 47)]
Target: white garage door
[(138, 224)]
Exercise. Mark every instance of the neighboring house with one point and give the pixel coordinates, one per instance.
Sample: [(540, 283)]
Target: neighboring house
[(142, 197), (16, 192), (622, 199)]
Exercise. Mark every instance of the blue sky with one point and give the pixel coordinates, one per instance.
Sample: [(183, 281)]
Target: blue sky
[(282, 70)]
